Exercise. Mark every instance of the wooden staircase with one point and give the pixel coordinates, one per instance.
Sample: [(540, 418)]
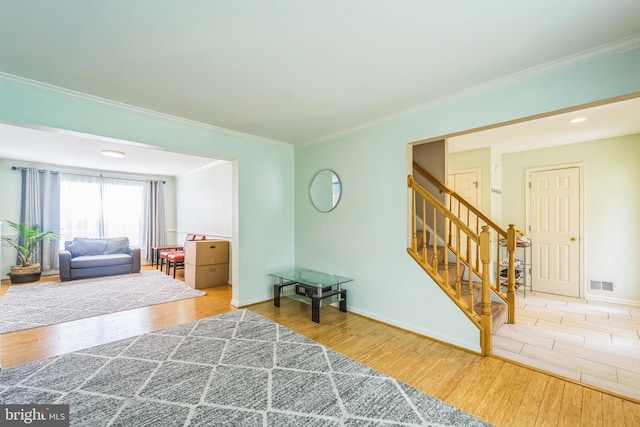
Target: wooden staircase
[(498, 310), (458, 247)]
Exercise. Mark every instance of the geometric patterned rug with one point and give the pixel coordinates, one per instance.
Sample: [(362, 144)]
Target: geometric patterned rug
[(29, 306), (233, 369)]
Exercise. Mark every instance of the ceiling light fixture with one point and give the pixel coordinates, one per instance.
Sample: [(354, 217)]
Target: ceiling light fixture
[(578, 120), (112, 153)]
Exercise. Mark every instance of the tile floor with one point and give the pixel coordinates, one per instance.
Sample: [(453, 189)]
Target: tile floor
[(593, 342)]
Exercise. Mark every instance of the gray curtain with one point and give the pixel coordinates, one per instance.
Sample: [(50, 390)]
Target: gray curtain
[(156, 229), (40, 205)]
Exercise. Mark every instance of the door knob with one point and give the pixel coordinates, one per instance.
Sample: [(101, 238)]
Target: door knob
[(573, 239)]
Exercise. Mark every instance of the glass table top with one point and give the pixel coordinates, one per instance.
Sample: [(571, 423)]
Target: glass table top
[(311, 278)]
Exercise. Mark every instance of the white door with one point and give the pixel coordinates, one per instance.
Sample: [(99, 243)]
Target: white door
[(466, 184), (555, 227)]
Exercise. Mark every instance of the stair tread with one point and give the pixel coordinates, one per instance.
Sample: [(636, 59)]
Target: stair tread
[(499, 311), (498, 314)]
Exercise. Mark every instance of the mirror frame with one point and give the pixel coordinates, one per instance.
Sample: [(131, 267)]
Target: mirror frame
[(317, 190)]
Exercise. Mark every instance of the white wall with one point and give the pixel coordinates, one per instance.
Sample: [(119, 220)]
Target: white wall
[(205, 204), (365, 236), (204, 201)]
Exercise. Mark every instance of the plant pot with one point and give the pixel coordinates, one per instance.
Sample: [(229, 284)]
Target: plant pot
[(18, 269), (24, 277), (20, 274)]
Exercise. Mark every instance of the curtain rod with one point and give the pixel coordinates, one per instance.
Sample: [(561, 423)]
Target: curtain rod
[(83, 174)]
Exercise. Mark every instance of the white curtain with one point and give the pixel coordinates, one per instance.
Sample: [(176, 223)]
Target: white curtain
[(80, 207), (156, 228), (95, 206), (40, 206)]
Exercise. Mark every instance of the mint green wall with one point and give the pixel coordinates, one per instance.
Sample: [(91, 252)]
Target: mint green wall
[(263, 233), (365, 236), (611, 208), (496, 187)]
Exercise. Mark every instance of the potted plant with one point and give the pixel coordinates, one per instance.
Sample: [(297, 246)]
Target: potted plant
[(27, 243)]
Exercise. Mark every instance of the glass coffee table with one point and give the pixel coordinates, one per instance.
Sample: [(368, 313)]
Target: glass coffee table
[(310, 286)]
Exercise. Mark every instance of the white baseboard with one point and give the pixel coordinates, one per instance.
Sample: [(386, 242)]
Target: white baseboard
[(237, 304), (425, 332), (604, 298)]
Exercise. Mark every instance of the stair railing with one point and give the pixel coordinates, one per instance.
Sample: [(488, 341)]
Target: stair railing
[(447, 272), (500, 240)]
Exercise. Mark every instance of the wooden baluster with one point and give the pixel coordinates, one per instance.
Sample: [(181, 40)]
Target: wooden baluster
[(485, 255), (470, 281), (498, 287), (457, 264), (468, 222), (477, 261), (434, 261), (424, 230), (449, 242), (511, 276), (414, 236), (447, 238), (447, 224)]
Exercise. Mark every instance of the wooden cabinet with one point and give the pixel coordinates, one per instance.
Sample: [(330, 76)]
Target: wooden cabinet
[(206, 263)]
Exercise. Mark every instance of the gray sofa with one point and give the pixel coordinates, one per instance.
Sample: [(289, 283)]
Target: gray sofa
[(94, 257)]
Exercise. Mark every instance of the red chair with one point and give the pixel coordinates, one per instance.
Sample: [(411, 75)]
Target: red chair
[(157, 250), (162, 251), (175, 258)]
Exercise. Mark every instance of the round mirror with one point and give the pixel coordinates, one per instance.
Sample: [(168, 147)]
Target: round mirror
[(325, 190)]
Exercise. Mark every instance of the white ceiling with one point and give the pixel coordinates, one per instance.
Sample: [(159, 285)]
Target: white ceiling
[(605, 121), (84, 151), (294, 71)]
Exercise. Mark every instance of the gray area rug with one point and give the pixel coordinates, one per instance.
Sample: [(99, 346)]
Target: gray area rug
[(29, 306), (234, 369)]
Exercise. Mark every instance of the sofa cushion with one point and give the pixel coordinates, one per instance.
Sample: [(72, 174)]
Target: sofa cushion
[(82, 246), (117, 245), (91, 261)]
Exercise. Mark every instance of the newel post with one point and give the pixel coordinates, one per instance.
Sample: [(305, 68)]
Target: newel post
[(485, 318), (511, 274), (414, 237)]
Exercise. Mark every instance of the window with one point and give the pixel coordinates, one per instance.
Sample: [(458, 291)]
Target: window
[(94, 206)]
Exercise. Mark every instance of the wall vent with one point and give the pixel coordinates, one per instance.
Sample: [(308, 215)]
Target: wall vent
[(599, 285)]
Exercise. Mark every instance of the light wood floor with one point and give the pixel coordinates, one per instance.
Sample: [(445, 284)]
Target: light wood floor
[(592, 342), (501, 393)]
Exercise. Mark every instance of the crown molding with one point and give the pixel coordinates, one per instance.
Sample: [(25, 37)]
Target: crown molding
[(603, 51), (49, 88)]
